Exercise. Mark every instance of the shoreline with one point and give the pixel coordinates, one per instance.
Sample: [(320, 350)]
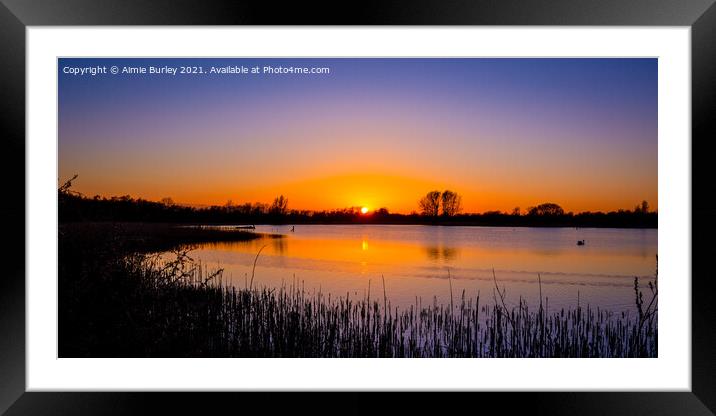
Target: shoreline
[(392, 223), (116, 299)]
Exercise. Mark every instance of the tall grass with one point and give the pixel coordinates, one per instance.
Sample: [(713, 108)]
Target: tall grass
[(187, 311)]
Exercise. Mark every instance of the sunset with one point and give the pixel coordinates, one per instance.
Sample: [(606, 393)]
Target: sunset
[(504, 133), (358, 207)]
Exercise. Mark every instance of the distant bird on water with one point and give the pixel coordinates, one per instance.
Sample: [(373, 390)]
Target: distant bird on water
[(580, 242), (293, 228)]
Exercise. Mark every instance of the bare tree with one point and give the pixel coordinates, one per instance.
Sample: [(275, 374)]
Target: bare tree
[(167, 201), (642, 208), (244, 208), (546, 209), (451, 203), (516, 211), (279, 206), (430, 204), (259, 208), (65, 187)]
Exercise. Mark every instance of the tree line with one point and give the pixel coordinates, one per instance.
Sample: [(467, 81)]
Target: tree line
[(446, 203), (449, 204), (436, 208)]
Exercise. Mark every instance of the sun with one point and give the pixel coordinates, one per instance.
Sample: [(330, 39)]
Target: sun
[(364, 210)]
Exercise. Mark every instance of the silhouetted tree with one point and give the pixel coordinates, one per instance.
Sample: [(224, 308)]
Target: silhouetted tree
[(642, 208), (516, 211), (168, 202), (547, 209), (451, 203), (64, 189), (279, 206), (259, 208), (430, 204), (244, 209)]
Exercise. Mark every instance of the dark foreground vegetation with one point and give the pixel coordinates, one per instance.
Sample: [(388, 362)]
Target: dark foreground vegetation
[(100, 305), (117, 299)]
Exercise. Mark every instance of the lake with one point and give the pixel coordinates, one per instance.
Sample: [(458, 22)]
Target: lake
[(420, 263)]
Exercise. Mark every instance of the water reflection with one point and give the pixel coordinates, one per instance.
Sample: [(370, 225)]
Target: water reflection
[(441, 253), (414, 261), (279, 245)]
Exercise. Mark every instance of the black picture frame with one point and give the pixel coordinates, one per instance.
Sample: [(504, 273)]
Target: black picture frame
[(15, 15)]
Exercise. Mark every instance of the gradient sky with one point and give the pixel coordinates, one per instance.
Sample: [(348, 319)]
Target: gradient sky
[(374, 132)]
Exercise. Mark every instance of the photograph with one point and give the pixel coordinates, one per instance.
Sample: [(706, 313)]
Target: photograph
[(357, 207), (242, 201)]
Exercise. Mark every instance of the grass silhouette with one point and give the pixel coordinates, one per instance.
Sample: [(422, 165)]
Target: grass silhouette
[(117, 299)]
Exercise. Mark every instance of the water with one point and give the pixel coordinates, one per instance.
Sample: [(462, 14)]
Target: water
[(415, 261)]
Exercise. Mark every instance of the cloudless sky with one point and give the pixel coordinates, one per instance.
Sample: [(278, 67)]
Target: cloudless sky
[(373, 132)]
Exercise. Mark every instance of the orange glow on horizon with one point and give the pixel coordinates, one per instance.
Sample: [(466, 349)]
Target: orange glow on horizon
[(375, 133), (399, 194)]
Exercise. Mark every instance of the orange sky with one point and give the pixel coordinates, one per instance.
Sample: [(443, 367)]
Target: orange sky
[(398, 193), (503, 133)]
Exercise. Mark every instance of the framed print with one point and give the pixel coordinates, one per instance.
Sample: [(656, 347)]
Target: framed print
[(476, 200)]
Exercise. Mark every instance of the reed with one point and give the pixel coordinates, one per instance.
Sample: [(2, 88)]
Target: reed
[(179, 308)]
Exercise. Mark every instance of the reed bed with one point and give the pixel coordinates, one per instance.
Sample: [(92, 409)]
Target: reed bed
[(182, 309)]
